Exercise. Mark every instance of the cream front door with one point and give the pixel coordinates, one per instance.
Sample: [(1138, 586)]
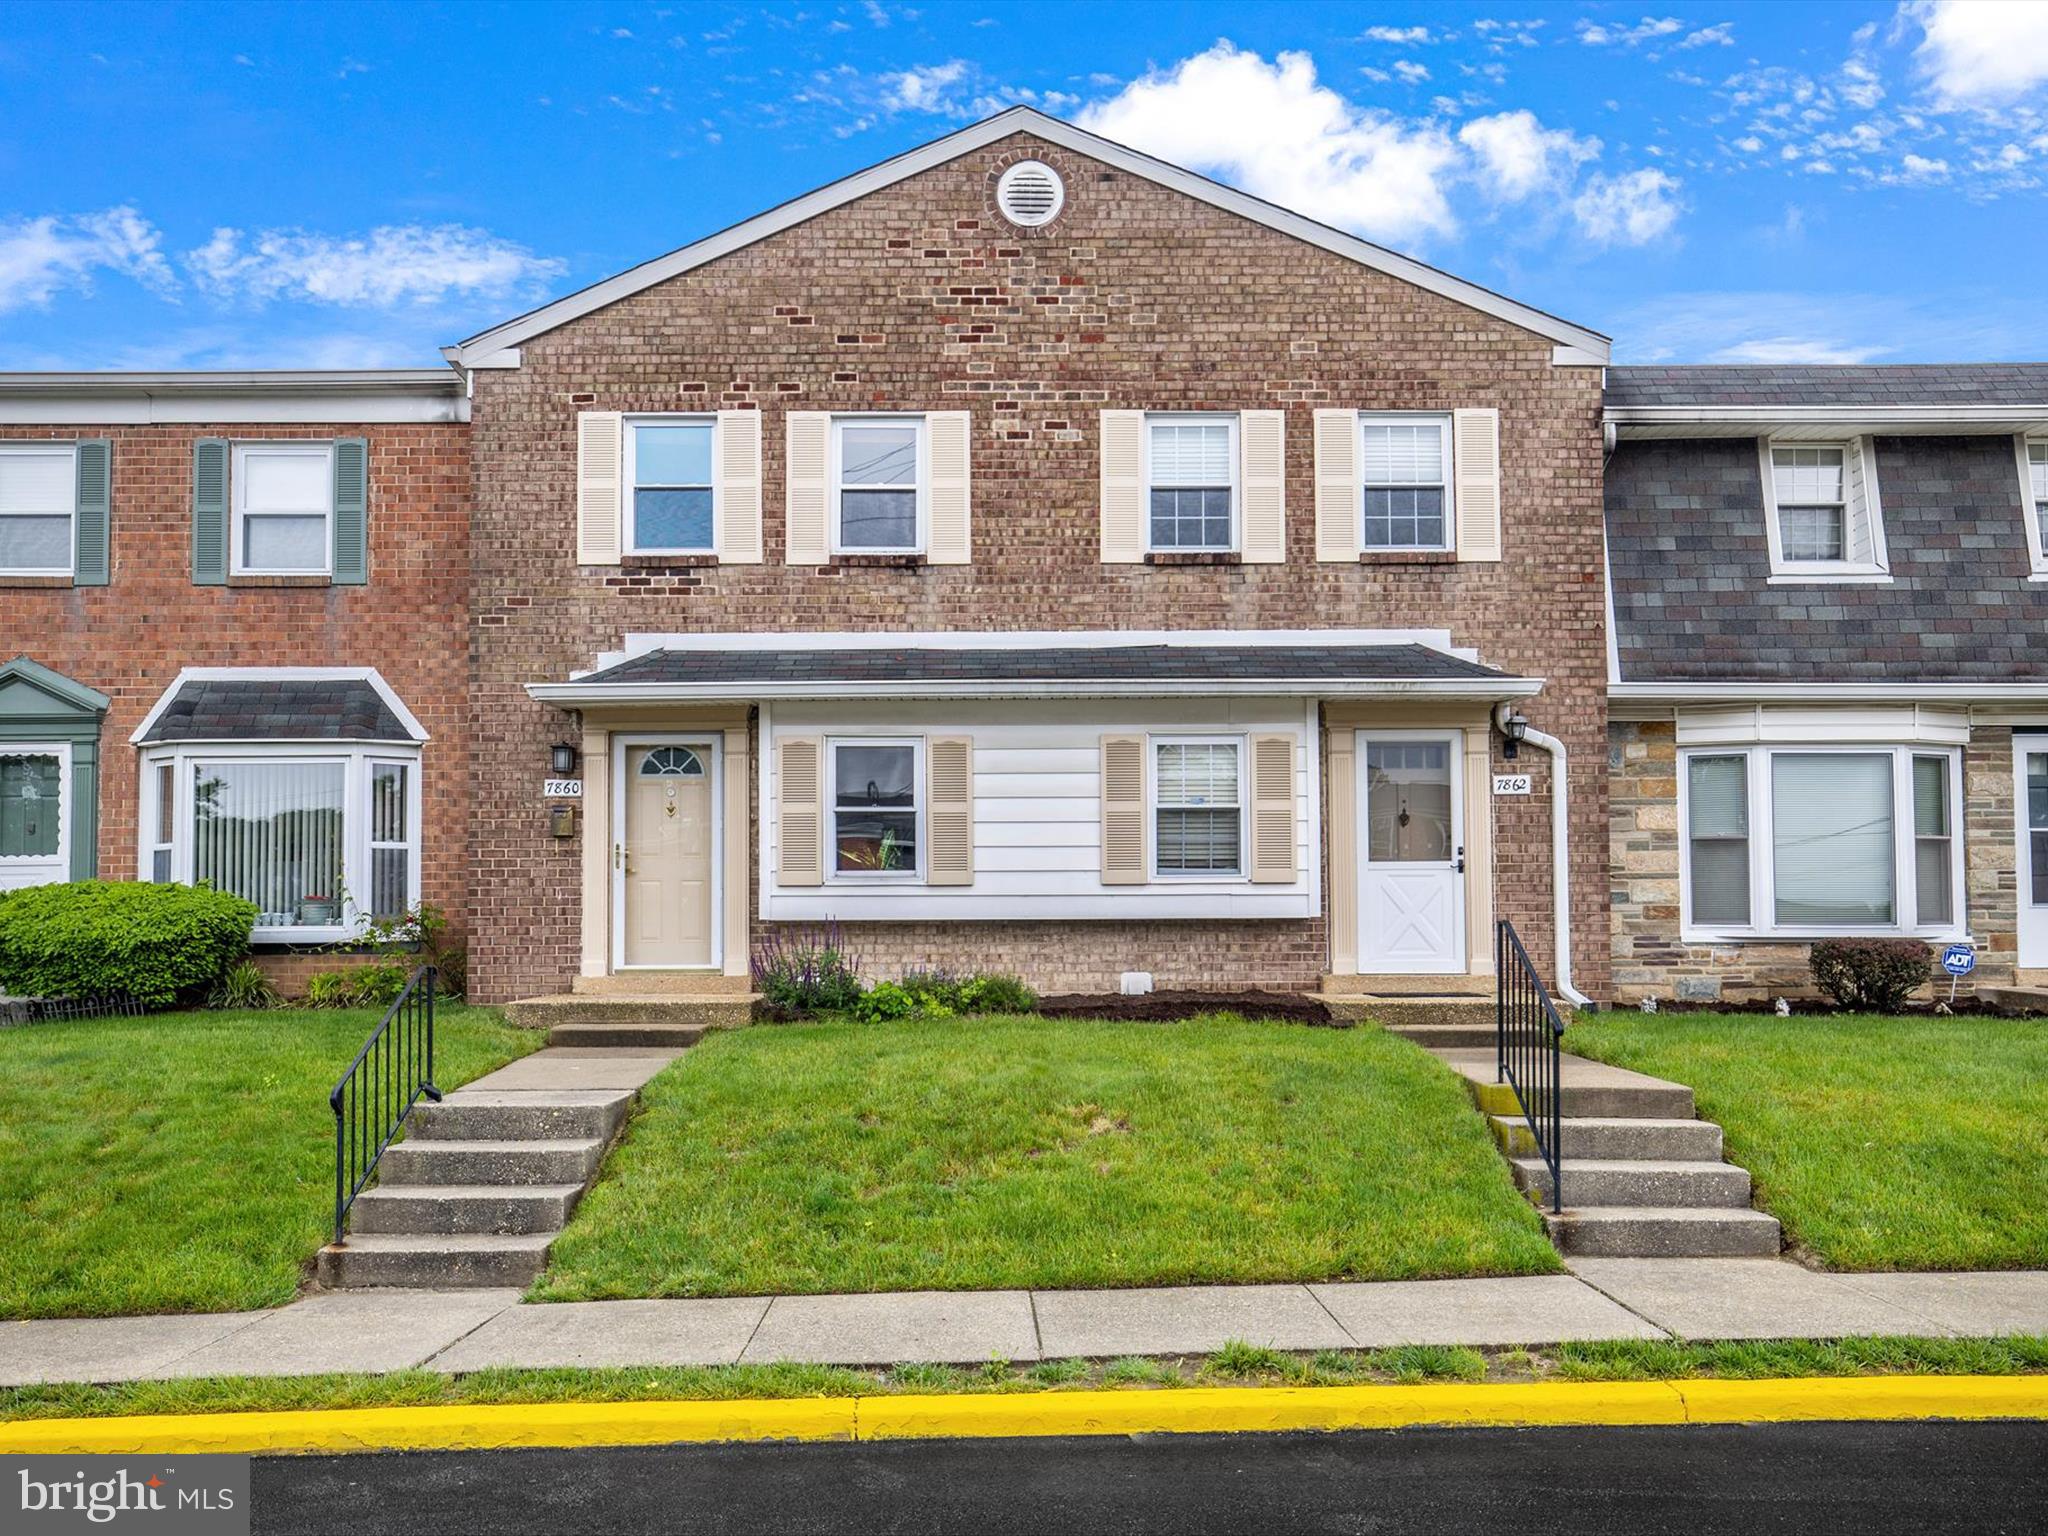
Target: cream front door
[(2030, 802), (666, 855), (1411, 833)]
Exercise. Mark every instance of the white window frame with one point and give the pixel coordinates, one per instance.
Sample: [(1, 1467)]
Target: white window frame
[(240, 512), (1869, 509), (1242, 874), (356, 759), (918, 808), (2033, 507), (632, 487), (68, 451), (836, 486), (1763, 923), (1441, 420), (1228, 420)]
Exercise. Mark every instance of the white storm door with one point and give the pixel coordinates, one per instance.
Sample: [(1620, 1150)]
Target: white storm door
[(2030, 807), (35, 815), (1411, 855)]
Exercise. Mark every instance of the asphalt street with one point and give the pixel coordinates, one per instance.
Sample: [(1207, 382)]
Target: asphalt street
[(1872, 1479)]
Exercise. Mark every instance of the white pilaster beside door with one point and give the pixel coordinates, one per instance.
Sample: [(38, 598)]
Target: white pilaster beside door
[(1411, 852)]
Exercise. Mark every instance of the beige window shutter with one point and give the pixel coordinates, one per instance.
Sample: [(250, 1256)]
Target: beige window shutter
[(736, 487), (1475, 450), (807, 535), (949, 812), (1273, 810), (600, 462), (1123, 810), (1262, 446), (1123, 487), (800, 811), (949, 434), (1339, 509)]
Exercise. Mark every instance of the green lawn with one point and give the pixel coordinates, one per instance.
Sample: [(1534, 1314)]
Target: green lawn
[(183, 1162), (1880, 1143), (992, 1152)]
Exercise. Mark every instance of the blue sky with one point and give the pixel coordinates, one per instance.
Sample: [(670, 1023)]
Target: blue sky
[(354, 186)]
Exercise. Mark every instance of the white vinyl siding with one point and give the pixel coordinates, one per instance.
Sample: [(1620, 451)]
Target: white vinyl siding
[(321, 840), (1405, 474), (1037, 822), (1191, 483), (283, 509), (880, 479), (1824, 519), (1806, 841), (38, 494), (669, 485)]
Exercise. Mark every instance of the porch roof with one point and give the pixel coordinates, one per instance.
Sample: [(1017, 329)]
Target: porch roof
[(985, 671), (278, 707)]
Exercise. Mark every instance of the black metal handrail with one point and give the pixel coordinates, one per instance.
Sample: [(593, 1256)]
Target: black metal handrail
[(1527, 1035), (392, 1072)]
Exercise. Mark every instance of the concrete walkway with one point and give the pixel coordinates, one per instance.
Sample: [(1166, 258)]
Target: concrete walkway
[(388, 1330)]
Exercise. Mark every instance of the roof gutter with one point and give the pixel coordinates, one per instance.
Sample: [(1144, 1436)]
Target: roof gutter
[(582, 695), (1824, 693)]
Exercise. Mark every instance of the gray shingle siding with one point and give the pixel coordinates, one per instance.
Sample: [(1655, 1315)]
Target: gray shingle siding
[(232, 709), (1691, 571), (1847, 387)]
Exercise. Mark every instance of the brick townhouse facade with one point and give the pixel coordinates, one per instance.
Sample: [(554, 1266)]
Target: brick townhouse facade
[(1026, 555)]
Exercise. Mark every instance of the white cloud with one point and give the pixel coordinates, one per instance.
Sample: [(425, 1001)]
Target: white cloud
[(55, 253), (1399, 36), (397, 264), (1792, 350), (1721, 34), (1834, 326), (1633, 208), (1920, 168), (1410, 71), (1517, 157), (927, 88), (1598, 35), (1976, 52), (1274, 130)]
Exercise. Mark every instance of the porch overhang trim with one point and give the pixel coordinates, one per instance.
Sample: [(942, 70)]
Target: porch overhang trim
[(1822, 693), (1658, 421), (575, 695)]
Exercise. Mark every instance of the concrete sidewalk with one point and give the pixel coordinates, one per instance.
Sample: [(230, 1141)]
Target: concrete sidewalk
[(388, 1330)]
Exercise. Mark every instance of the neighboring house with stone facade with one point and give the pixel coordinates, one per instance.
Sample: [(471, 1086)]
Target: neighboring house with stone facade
[(237, 609), (1829, 706)]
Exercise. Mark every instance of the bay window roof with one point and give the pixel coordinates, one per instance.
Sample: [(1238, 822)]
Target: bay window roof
[(279, 704)]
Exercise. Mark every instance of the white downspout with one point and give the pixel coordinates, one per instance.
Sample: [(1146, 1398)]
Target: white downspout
[(1560, 854)]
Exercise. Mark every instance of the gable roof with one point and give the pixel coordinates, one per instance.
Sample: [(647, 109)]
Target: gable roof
[(496, 347)]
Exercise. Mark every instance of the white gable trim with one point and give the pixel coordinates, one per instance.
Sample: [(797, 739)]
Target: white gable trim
[(1576, 345), (369, 675)]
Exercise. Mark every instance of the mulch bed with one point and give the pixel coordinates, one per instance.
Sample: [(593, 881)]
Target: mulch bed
[(1162, 1006)]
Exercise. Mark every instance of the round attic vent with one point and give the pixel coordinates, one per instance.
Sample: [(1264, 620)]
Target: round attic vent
[(1030, 193)]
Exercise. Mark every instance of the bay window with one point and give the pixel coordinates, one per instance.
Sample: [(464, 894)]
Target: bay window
[(1808, 841), (321, 840)]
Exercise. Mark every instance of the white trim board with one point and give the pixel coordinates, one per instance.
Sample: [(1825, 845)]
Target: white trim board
[(1575, 345), (369, 396), (369, 675), (1020, 640), (576, 694)]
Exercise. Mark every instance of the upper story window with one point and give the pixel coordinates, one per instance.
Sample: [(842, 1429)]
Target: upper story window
[(1191, 478), (2034, 467), (1198, 807), (1824, 516), (668, 476), (283, 500), (1405, 470), (875, 808), (880, 480), (38, 490)]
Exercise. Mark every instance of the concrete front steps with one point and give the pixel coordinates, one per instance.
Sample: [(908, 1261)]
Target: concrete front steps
[(1643, 1178), (662, 1019), (485, 1180)]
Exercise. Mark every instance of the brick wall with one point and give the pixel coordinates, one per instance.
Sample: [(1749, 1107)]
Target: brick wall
[(129, 638), (1650, 959), (921, 297)]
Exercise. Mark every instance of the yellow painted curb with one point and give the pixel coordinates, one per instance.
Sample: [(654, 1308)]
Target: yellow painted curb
[(1191, 1410)]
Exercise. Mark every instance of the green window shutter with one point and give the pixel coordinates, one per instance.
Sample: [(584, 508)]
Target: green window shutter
[(90, 512), (351, 512), (210, 513)]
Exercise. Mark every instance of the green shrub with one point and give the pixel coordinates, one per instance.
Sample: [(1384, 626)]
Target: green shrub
[(973, 993), (156, 943), (807, 970), (1871, 975), (887, 1000), (422, 933), (243, 986), (358, 986)]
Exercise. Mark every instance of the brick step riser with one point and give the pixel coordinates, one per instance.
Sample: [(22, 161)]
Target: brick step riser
[(340, 1267), (1679, 1141), (453, 1120), (1722, 1188), (1654, 1239), (499, 1213), (427, 1162)]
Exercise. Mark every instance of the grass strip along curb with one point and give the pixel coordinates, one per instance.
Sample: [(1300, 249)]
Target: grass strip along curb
[(1199, 1410)]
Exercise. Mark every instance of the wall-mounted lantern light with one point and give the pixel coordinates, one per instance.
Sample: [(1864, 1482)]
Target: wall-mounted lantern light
[(1512, 730), (562, 757)]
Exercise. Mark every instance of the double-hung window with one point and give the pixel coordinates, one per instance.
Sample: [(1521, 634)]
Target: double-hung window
[(320, 840), (880, 482), (38, 490), (876, 808), (1802, 842), (1405, 469), (2035, 467), (1198, 807), (283, 509), (668, 472), (1824, 518), (1192, 481)]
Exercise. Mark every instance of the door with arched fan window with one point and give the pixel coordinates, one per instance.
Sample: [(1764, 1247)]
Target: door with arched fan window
[(665, 858)]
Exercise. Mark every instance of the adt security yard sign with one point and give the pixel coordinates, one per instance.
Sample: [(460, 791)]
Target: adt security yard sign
[(1959, 960)]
